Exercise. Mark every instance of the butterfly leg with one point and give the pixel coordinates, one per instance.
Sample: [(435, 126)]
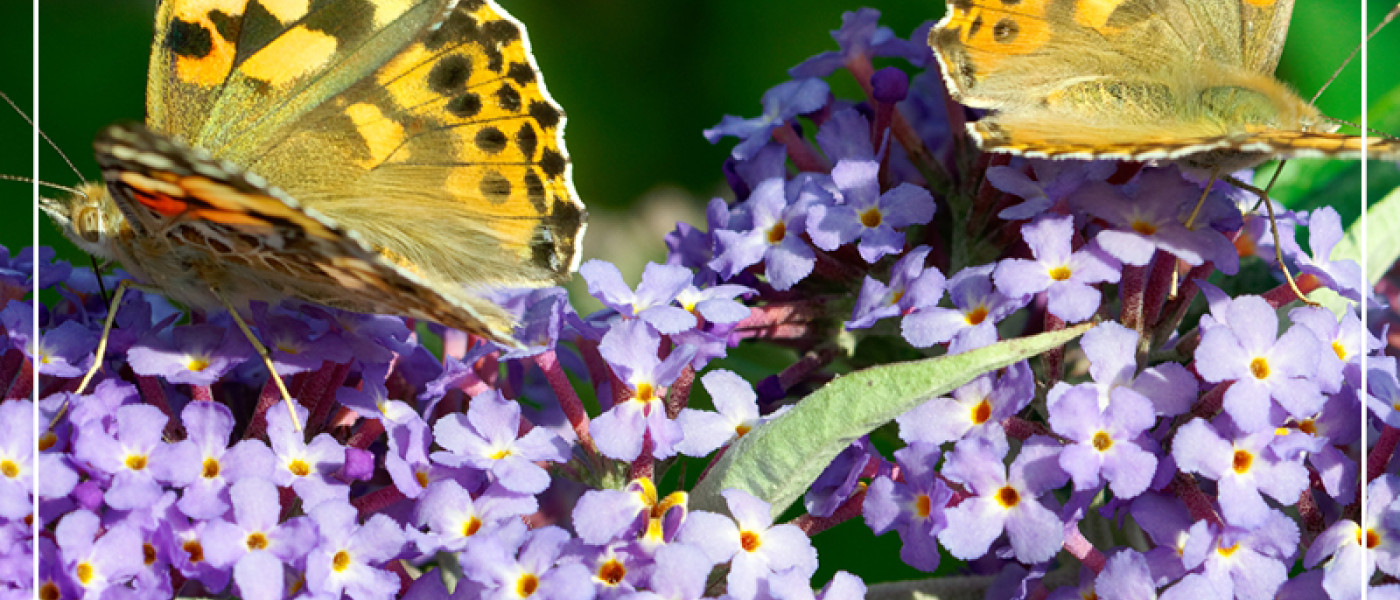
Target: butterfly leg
[(106, 334), (1273, 228), (1190, 223), (266, 358), (101, 348)]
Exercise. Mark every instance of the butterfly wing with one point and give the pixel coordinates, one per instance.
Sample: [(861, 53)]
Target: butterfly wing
[(247, 240), (1264, 27), (419, 125), (1027, 135), (997, 54), (450, 156)]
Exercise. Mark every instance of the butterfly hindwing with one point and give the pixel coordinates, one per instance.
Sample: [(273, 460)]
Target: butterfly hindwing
[(248, 240)]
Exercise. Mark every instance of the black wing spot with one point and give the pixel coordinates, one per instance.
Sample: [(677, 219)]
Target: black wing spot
[(553, 163), (225, 24), (534, 190), (1006, 30), (547, 116), (527, 140), (189, 39), (459, 27), (449, 76), (495, 187), (465, 106), (508, 98), (520, 73), (500, 32), (490, 140)]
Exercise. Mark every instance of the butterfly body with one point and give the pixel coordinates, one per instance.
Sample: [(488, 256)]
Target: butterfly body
[(381, 156), (1183, 80)]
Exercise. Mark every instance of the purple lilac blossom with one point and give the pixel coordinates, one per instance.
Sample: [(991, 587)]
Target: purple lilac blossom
[(1242, 345), (865, 214), (753, 546), (1003, 500), (1065, 275), (914, 507)]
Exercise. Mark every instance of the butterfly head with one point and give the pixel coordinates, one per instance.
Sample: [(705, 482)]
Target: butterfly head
[(88, 218)]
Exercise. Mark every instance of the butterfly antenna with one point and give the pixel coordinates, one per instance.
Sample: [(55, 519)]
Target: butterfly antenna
[(1347, 123), (46, 137), (22, 179), (1388, 18)]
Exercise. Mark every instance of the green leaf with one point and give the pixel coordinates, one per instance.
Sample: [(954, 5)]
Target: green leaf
[(779, 460), (1383, 220)]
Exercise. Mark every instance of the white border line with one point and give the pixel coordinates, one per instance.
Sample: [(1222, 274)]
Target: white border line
[(34, 285)]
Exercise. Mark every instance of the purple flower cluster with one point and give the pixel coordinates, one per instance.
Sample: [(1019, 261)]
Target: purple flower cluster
[(1224, 443)]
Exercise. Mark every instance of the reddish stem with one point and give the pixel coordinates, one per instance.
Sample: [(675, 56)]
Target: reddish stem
[(850, 509), (368, 433), (1211, 401), (781, 321), (201, 393), (1084, 550), (1159, 286), (1283, 294), (153, 393), (1021, 429), (1197, 503), (1133, 286), (313, 388), (679, 395), (23, 383), (1310, 512), (1381, 453), (377, 500), (860, 67), (548, 362), (11, 363), (1054, 357), (257, 426), (803, 156), (645, 463)]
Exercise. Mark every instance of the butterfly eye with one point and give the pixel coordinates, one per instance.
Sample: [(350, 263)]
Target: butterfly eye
[(87, 223)]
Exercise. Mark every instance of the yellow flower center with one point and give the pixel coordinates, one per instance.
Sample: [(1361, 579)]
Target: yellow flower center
[(750, 541), (1242, 461), (299, 468), (612, 572), (981, 412), (1259, 368), (341, 561), (1008, 497), (526, 585), (871, 217), (777, 232)]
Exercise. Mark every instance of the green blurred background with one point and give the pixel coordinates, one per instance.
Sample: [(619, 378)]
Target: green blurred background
[(640, 80)]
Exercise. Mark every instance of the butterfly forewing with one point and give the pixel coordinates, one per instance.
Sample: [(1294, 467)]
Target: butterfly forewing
[(453, 143), (386, 156)]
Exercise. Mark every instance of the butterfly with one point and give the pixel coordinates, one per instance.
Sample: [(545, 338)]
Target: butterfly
[(1184, 80), (377, 156)]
